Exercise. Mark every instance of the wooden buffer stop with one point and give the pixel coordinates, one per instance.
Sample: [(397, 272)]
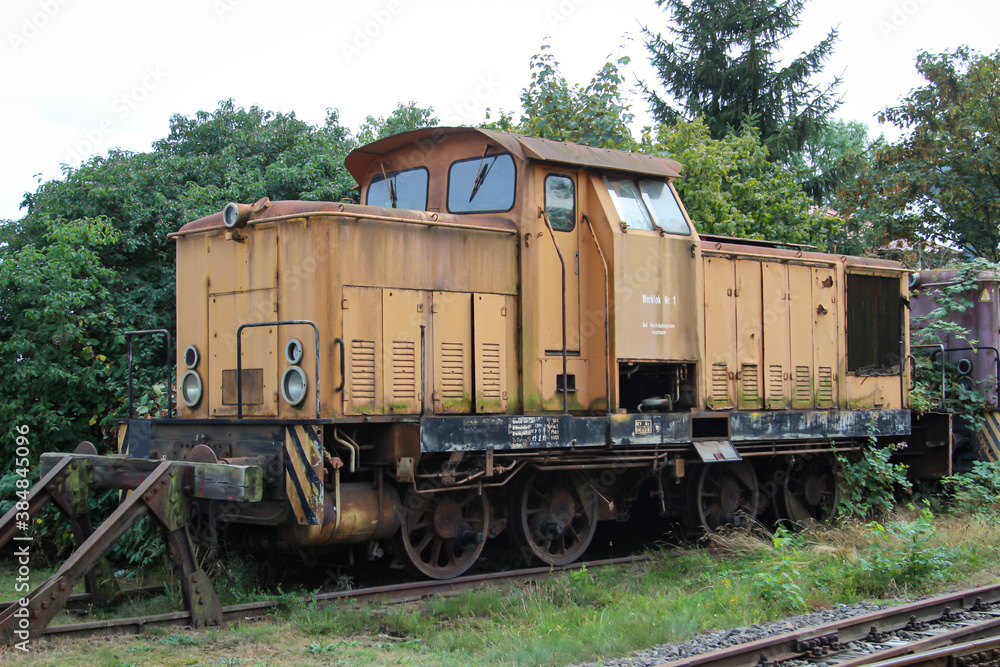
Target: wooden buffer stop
[(160, 489)]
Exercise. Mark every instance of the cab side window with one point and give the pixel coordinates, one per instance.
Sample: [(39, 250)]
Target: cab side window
[(628, 202), (399, 189), (560, 202), (647, 204)]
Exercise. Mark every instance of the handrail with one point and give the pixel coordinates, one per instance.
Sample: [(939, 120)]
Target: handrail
[(433, 222), (423, 370), (607, 316), (940, 347), (565, 377), (170, 391), (343, 365), (239, 358), (996, 376)]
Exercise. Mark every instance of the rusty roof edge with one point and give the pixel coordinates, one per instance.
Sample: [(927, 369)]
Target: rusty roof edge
[(716, 247), (360, 159), (284, 209), (548, 150), (535, 148)]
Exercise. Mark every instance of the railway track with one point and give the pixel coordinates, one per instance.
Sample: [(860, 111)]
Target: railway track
[(394, 593), (958, 629)]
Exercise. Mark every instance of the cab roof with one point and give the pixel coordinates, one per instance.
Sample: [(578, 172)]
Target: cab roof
[(521, 146)]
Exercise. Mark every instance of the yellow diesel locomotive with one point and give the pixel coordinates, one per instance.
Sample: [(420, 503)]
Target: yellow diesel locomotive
[(509, 335), (516, 334)]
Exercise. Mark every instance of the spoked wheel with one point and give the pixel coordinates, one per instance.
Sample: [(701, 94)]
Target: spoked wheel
[(443, 533), (725, 494), (810, 494), (553, 515)]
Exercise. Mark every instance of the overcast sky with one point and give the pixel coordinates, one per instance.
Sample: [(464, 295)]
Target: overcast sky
[(83, 76)]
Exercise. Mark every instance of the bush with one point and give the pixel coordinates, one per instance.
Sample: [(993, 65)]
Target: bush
[(777, 582), (976, 491), (870, 483), (901, 556)]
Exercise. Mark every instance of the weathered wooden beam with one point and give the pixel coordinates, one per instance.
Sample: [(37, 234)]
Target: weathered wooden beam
[(212, 481)]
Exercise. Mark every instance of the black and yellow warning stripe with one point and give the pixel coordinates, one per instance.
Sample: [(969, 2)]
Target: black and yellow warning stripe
[(989, 437), (303, 470)]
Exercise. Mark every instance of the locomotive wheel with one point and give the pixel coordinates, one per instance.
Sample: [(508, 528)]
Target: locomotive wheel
[(811, 493), (553, 515), (443, 533), (725, 494)]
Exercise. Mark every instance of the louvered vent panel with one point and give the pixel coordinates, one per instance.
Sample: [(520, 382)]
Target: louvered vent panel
[(404, 370), (491, 370), (720, 383), (825, 394), (452, 370), (803, 392), (776, 388), (363, 369), (748, 379)]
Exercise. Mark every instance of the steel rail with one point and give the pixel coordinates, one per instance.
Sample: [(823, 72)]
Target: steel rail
[(981, 652), (85, 598), (799, 643), (973, 631), (393, 593)]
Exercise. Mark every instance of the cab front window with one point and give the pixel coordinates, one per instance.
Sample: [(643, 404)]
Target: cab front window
[(482, 184)]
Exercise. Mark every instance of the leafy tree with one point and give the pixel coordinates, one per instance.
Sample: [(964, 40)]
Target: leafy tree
[(91, 258), (831, 160), (405, 117), (941, 182), (58, 336), (595, 115), (719, 61), (731, 189)]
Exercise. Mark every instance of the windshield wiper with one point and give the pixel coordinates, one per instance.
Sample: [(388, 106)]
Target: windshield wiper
[(390, 186), (484, 169)]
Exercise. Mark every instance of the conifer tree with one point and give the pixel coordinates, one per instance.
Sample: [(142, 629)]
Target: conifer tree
[(720, 61)]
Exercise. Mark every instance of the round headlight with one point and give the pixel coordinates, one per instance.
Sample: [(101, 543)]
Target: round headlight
[(231, 214), (294, 385), (191, 388), (191, 356), (965, 366), (293, 351)]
